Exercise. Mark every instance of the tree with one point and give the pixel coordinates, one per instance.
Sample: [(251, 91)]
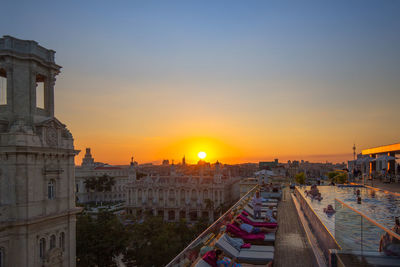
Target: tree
[(338, 177), (300, 178), (155, 243), (101, 184), (209, 204), (99, 240)]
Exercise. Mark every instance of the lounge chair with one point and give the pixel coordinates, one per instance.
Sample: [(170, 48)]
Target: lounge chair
[(264, 208), (259, 238), (254, 254), (250, 211), (276, 195), (257, 223), (202, 263)]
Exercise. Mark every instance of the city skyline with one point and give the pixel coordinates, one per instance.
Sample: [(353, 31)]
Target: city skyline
[(244, 82)]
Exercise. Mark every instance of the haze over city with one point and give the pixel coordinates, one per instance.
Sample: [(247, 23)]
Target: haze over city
[(244, 82)]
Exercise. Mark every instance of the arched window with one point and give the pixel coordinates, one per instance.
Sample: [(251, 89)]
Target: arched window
[(62, 241), (194, 195), (42, 248), (2, 261), (52, 241), (51, 189), (40, 91), (183, 196), (3, 87), (205, 194)]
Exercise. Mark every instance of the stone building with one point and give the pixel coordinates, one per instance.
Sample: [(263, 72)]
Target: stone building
[(179, 196), (91, 169), (37, 201)]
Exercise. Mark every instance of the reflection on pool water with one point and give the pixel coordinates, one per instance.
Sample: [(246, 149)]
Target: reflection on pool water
[(377, 205)]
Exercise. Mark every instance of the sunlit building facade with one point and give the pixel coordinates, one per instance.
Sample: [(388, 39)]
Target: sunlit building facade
[(91, 169), (177, 196)]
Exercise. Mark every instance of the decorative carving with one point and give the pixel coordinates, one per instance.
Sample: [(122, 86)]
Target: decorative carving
[(52, 137), (54, 257), (19, 126)]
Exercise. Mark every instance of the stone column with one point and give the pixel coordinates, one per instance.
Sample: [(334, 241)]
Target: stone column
[(165, 215), (177, 215)]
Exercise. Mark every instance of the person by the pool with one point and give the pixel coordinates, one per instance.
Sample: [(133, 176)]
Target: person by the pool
[(329, 209), (389, 244), (251, 229), (318, 197), (313, 192), (358, 192), (223, 261)]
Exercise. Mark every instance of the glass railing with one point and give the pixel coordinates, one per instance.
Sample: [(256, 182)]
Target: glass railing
[(360, 235), (205, 240)]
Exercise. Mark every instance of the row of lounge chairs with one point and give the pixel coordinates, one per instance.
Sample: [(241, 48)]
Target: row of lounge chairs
[(258, 248)]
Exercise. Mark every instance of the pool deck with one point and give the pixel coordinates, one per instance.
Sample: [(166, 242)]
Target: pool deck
[(393, 187), (291, 245)]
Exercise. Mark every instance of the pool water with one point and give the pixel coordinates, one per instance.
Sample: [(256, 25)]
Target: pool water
[(377, 205)]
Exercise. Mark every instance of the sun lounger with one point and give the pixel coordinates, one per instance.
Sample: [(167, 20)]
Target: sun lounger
[(276, 195), (265, 205), (257, 223), (263, 238), (269, 200), (253, 255), (202, 263), (250, 211)]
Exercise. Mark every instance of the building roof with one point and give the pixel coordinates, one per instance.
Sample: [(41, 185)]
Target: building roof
[(382, 149), (107, 168)]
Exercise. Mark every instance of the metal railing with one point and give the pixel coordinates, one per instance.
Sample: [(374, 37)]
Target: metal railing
[(355, 231), (191, 253)]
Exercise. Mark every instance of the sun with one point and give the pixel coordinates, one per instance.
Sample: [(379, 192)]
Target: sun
[(202, 155)]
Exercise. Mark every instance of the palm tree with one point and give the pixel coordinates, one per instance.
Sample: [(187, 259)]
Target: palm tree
[(220, 209), (90, 185), (99, 185)]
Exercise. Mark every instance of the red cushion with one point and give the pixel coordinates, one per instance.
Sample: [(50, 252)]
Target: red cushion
[(211, 258), (257, 224)]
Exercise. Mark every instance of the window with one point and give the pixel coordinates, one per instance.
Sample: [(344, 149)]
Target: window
[(52, 241), (62, 241), (40, 91), (3, 88), (50, 189), (77, 188), (42, 248)]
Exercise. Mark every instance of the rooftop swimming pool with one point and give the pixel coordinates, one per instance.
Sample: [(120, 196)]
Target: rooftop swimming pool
[(345, 225)]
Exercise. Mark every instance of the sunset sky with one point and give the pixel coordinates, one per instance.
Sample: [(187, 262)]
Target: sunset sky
[(243, 81)]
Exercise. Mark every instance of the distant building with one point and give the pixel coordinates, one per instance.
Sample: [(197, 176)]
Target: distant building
[(177, 195), (383, 158), (91, 169), (268, 165)]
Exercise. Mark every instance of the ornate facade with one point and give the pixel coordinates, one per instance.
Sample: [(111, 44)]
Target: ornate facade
[(177, 196), (92, 169), (37, 202)]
